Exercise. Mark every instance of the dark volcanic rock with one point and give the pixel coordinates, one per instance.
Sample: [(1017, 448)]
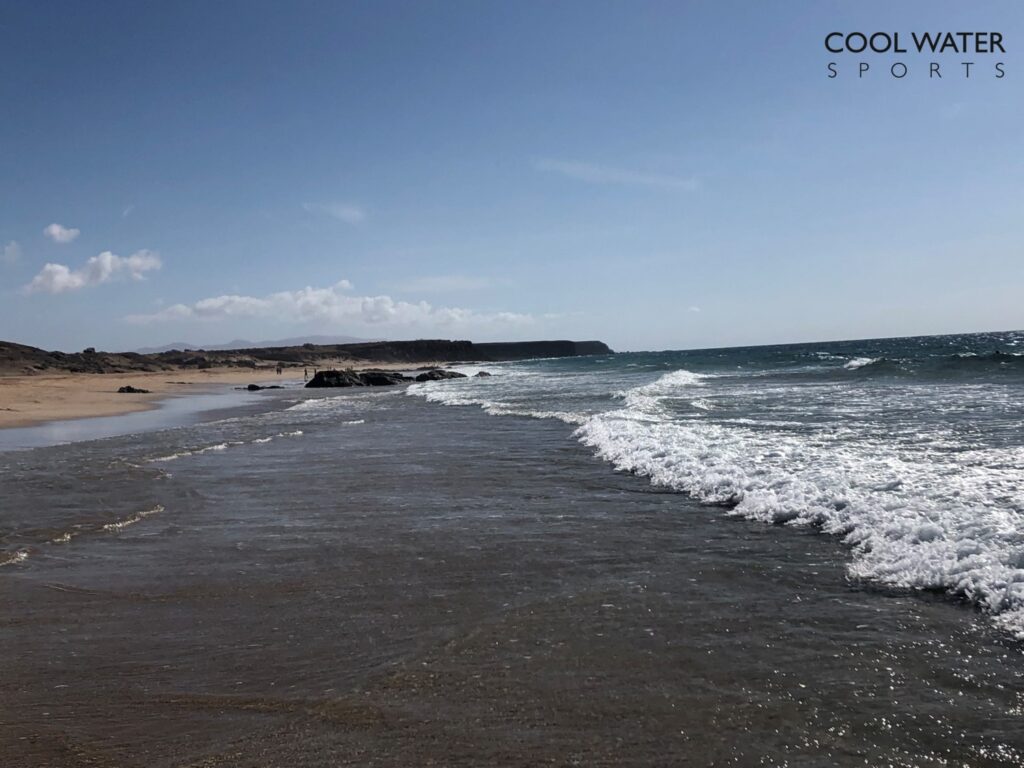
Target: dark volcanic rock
[(482, 374), (128, 389), (334, 379), (381, 378), (257, 387), (371, 378), (437, 374)]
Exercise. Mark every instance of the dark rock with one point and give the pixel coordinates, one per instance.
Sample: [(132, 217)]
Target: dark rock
[(438, 374), (334, 379), (482, 374), (376, 378), (348, 378), (257, 387), (128, 389)]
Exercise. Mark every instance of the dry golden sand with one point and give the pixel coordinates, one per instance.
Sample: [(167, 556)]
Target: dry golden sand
[(28, 400)]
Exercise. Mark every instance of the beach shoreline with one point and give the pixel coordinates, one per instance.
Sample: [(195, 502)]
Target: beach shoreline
[(31, 400), (365, 577)]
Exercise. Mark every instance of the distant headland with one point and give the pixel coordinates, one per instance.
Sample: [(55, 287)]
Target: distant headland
[(19, 359)]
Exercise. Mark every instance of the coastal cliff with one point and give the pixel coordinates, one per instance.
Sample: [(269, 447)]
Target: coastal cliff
[(19, 359)]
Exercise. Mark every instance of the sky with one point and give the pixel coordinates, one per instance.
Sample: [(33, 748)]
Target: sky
[(657, 175)]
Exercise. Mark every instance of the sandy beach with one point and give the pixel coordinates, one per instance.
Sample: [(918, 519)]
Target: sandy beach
[(30, 400)]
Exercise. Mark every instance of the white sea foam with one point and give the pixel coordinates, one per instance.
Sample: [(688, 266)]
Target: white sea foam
[(669, 386), (13, 558), (223, 446), (927, 521), (197, 451), (120, 525), (919, 505), (270, 438), (313, 403), (494, 397)]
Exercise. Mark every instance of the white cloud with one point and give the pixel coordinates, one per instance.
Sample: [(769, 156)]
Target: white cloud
[(11, 253), (347, 212), (694, 309), (444, 284), (57, 278), (127, 211), (600, 174), (330, 305), (61, 234)]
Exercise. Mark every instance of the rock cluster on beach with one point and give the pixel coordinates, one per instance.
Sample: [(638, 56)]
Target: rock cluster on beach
[(437, 374), (375, 378), (128, 389)]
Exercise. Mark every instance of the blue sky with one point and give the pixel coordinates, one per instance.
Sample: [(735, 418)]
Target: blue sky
[(654, 174)]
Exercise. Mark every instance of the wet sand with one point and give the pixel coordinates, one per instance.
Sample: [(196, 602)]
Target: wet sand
[(434, 586), (28, 400)]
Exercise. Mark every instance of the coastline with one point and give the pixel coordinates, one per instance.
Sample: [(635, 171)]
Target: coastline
[(31, 400)]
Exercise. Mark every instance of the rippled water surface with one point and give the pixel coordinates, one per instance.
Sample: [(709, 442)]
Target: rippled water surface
[(345, 578)]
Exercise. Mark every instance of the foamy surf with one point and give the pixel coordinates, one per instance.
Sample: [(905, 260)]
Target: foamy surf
[(13, 558), (218, 447), (196, 451), (912, 521), (138, 517), (921, 478)]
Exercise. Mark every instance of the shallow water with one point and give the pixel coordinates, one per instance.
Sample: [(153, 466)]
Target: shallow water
[(174, 411), (369, 577), (911, 450)]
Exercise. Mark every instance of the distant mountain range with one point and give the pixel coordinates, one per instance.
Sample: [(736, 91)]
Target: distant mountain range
[(297, 341)]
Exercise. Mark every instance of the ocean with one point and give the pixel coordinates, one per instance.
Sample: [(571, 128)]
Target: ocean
[(793, 555)]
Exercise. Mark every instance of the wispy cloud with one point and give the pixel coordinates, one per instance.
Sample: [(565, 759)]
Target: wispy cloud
[(61, 234), (347, 212), (11, 254), (58, 278), (444, 284), (333, 304), (602, 174), (127, 211), (694, 309)]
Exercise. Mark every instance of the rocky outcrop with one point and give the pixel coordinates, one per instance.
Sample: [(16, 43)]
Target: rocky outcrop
[(437, 374), (128, 389), (481, 375), (381, 378), (349, 378), (21, 359)]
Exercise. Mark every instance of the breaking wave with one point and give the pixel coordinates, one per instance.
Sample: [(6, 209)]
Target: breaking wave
[(918, 506), (224, 446), (919, 520), (120, 525)]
